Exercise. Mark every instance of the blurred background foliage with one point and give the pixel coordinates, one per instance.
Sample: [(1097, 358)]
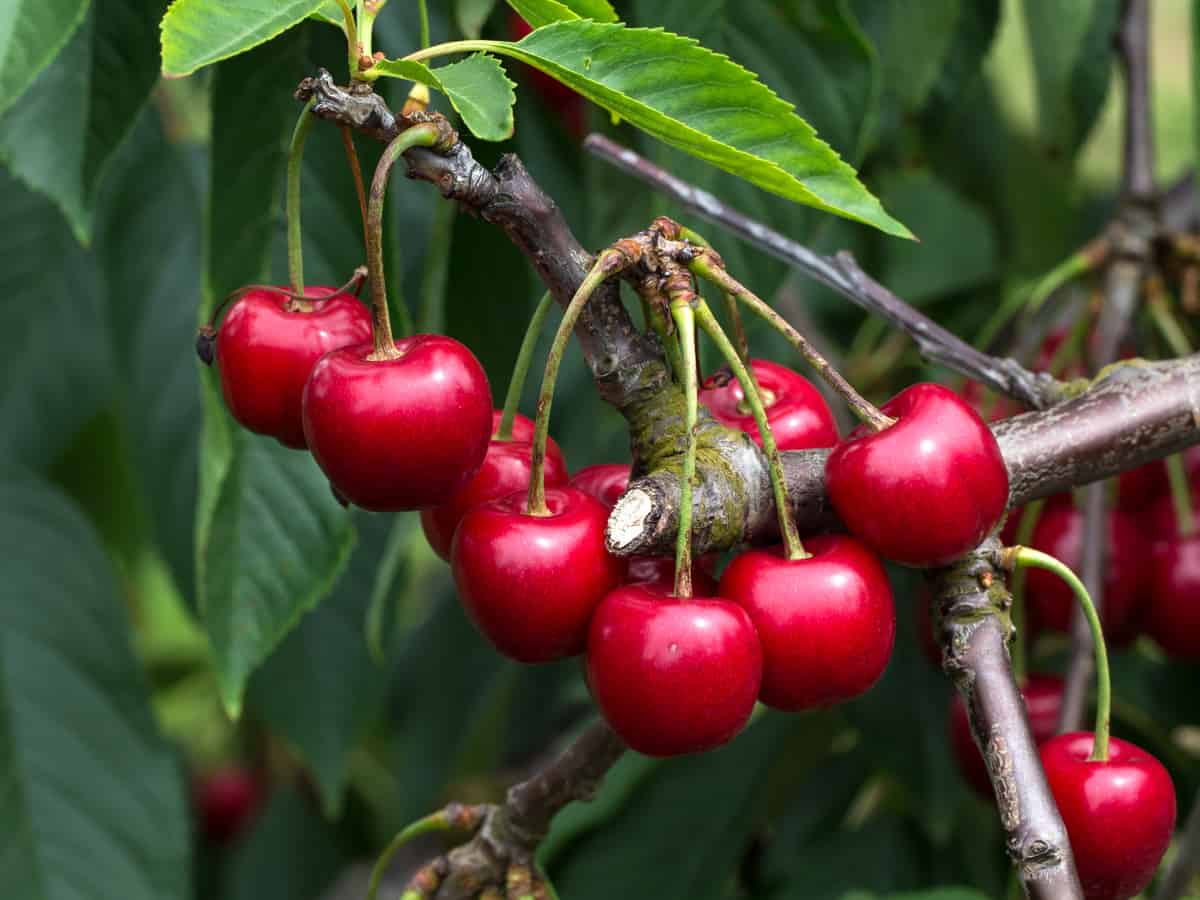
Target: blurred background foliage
[(133, 517)]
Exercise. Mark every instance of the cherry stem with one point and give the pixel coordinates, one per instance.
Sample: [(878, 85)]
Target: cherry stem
[(516, 384), (1164, 319), (731, 304), (417, 136), (792, 546), (607, 263), (365, 17), (685, 326), (709, 268), (295, 161), (1028, 557), (1181, 496), (658, 322), (351, 32), (1025, 528), (453, 818), (424, 10), (356, 174)]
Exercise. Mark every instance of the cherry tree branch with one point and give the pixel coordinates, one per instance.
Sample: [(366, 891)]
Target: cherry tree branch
[(1133, 41), (843, 274)]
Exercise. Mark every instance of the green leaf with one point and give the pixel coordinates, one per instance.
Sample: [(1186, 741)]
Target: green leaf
[(270, 537), (92, 800), (1071, 43), (477, 88), (198, 33), (545, 12), (472, 14), (320, 688), (703, 103), (913, 40), (55, 363), (61, 135), (32, 32)]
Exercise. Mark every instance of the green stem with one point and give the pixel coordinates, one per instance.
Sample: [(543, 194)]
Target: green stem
[(658, 323), (421, 5), (516, 384), (685, 327), (704, 266), (295, 238), (1168, 326), (739, 331), (351, 32), (1020, 652), (417, 136), (608, 263), (366, 23), (1181, 496), (1027, 556), (456, 47), (787, 527), (434, 822)]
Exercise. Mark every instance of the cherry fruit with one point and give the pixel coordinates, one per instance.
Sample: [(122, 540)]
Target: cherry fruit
[(1173, 610), (1119, 813), (1043, 695), (522, 430), (826, 623), (606, 482), (505, 470), (1059, 532), (227, 801), (796, 411), (403, 432), (530, 583), (671, 675), (928, 488), (267, 347)]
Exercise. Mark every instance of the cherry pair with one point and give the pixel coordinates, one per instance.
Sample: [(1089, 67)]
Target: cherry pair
[(403, 429)]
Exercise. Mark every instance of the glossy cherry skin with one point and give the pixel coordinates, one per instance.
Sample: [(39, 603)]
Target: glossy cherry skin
[(1059, 532), (797, 413), (403, 433), (1173, 610), (672, 676), (522, 430), (1043, 696), (505, 470), (266, 351), (227, 800), (1119, 814), (530, 583), (926, 490), (606, 482), (826, 623)]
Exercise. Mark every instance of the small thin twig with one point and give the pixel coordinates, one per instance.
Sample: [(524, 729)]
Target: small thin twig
[(842, 273), (356, 173)]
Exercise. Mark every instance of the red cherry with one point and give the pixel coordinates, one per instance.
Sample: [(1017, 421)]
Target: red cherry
[(1173, 610), (606, 482), (227, 800), (530, 583), (1043, 702), (660, 570), (522, 430), (1119, 814), (826, 623), (926, 490), (401, 433), (266, 350), (670, 675), (505, 470), (1051, 604), (796, 411)]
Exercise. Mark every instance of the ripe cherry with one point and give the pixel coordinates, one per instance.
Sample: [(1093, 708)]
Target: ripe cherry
[(796, 411), (505, 470), (227, 800), (530, 583), (606, 482), (1119, 813), (1173, 610), (1059, 532), (267, 347), (1043, 696), (522, 430), (399, 433), (925, 490), (826, 623), (672, 675)]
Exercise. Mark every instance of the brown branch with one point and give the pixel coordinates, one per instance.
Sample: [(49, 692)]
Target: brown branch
[(971, 614), (1133, 41), (843, 274)]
